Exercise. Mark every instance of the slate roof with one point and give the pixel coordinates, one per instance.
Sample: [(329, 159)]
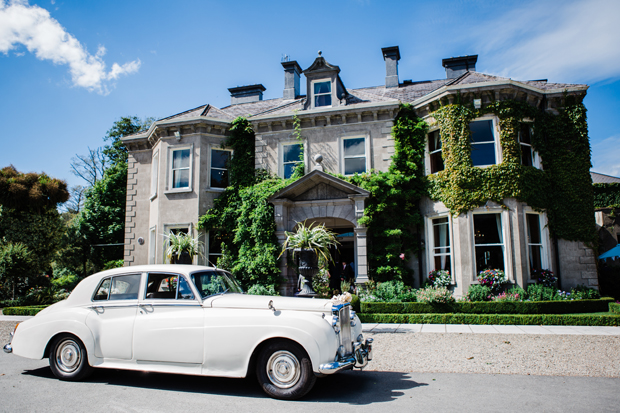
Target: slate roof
[(603, 179), (406, 92)]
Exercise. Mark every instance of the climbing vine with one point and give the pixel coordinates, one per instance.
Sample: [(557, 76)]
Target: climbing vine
[(607, 195), (563, 188)]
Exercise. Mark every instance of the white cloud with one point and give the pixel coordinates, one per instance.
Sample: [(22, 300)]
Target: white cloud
[(564, 41), (33, 27), (606, 156)]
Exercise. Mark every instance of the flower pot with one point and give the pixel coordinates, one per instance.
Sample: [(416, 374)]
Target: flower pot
[(184, 258), (308, 268)]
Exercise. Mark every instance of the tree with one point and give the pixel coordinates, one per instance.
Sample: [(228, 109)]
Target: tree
[(116, 152), (76, 201), (89, 167), (15, 263)]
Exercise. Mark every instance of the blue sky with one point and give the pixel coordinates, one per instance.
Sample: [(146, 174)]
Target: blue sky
[(69, 69)]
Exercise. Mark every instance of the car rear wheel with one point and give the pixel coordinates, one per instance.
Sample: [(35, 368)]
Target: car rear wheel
[(68, 358), (284, 370)]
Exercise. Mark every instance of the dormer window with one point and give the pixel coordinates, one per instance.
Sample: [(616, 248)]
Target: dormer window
[(322, 94)]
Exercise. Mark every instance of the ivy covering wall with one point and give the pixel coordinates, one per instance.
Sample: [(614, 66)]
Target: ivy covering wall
[(563, 189), (607, 195)]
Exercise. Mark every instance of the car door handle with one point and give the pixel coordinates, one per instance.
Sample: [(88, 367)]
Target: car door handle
[(98, 309), (145, 308)]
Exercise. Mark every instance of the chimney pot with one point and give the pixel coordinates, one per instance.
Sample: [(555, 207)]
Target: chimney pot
[(391, 55)]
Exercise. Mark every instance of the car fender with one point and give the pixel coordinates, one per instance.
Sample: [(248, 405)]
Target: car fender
[(33, 336), (233, 335)]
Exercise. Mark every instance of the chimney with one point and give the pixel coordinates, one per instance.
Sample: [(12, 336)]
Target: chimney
[(245, 94), (391, 55), (457, 66), (291, 79)]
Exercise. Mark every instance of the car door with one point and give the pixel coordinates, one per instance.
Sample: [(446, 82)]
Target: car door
[(169, 325), (112, 316)]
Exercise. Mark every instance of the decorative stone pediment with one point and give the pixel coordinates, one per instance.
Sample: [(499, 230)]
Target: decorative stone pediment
[(318, 185)]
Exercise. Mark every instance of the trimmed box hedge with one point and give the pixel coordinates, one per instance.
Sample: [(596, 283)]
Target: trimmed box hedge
[(492, 307), (503, 319), (31, 310), (614, 307)]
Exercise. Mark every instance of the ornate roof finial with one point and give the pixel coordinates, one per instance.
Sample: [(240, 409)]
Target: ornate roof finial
[(320, 53)]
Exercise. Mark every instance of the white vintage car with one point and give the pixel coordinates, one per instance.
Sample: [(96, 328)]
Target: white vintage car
[(193, 320)]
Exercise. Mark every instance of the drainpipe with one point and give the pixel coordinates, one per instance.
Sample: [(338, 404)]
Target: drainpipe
[(557, 261), (420, 274)]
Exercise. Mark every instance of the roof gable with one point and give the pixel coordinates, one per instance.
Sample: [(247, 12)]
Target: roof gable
[(318, 185)]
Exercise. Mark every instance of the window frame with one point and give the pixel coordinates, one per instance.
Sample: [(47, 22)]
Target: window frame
[(211, 149), (153, 244), (281, 163), (170, 170), (330, 93), (154, 174), (430, 250), (506, 240), (533, 154), (111, 278), (431, 153), (544, 242), (176, 300), (496, 141), (167, 229), (366, 155)]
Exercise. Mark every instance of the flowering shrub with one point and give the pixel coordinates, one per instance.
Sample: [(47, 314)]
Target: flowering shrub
[(477, 292), (439, 278), (439, 295), (581, 292), (507, 297), (492, 279), (544, 277)]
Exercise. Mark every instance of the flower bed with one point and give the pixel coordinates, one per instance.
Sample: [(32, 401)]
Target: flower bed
[(501, 319), (492, 307)]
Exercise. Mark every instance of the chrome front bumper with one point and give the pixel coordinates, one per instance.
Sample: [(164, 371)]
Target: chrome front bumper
[(362, 354)]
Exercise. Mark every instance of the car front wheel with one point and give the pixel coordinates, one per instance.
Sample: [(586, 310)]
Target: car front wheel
[(284, 370), (68, 358)]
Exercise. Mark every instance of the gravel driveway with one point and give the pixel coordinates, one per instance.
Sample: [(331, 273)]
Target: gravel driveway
[(547, 355)]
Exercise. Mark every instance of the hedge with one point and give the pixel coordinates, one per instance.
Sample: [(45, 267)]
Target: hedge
[(492, 307), (32, 310), (614, 307), (503, 319)]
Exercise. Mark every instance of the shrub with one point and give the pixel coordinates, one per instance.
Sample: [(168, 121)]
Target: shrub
[(439, 278), (113, 264), (355, 303), (507, 297), (259, 289), (478, 292), (516, 290), (581, 292), (64, 278), (614, 307), (439, 295), (494, 279), (393, 291), (544, 277), (538, 292)]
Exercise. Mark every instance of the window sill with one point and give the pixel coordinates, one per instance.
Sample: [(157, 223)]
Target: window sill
[(178, 191)]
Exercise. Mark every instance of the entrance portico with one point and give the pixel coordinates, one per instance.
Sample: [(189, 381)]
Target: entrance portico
[(324, 199)]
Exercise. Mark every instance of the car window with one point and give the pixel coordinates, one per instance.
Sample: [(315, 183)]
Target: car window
[(215, 282), (120, 287), (168, 286)]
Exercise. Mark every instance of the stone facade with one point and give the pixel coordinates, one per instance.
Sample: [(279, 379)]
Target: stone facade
[(175, 171)]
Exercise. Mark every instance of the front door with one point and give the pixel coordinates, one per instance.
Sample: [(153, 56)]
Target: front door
[(111, 320), (169, 326)]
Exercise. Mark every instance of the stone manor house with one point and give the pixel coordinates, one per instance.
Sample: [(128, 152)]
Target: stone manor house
[(178, 168)]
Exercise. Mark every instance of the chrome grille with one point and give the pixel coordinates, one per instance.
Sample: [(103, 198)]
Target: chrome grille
[(344, 316)]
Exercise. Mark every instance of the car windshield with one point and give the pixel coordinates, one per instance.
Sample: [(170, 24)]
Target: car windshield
[(213, 282)]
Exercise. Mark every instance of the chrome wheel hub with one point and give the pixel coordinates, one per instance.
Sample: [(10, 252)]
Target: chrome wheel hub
[(283, 369), (68, 356)]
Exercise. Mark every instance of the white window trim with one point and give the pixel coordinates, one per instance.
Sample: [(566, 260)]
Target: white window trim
[(208, 251), (507, 238), (427, 158), (219, 148), (154, 175), (167, 229), (535, 156), (153, 245), (366, 151), (281, 146), (544, 238), (331, 89), (430, 243), (496, 132), (171, 150)]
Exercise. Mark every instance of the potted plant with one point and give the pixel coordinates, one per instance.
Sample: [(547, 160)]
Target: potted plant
[(312, 245), (182, 248)]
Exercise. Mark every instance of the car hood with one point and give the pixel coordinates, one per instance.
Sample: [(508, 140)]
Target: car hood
[(262, 302)]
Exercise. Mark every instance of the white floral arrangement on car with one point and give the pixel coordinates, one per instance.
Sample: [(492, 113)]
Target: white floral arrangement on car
[(342, 298)]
